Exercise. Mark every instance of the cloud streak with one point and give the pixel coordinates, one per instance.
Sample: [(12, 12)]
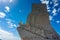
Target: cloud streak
[(50, 17), (7, 9), (2, 14), (10, 23), (10, 1), (44, 1), (54, 12), (4, 35), (58, 21)]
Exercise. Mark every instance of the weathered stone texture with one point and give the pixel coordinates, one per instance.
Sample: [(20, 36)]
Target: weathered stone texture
[(38, 25)]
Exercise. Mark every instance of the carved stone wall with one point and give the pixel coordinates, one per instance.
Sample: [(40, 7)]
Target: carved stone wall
[(38, 25)]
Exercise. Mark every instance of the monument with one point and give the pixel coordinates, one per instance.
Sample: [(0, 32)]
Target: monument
[(38, 25)]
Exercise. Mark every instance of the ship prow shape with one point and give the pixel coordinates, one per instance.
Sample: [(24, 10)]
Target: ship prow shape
[(38, 25)]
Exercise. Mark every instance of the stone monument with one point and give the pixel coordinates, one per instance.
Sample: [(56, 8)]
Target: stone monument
[(38, 26)]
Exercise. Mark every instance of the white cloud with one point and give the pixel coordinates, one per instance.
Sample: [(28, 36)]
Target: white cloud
[(6, 2), (10, 23), (58, 21), (4, 35), (58, 9), (50, 17), (44, 1), (2, 14), (7, 9), (54, 12), (56, 4), (55, 1), (10, 1), (9, 20), (48, 8), (51, 2), (3, 1)]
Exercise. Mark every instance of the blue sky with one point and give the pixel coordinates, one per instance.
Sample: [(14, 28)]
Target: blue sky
[(14, 11)]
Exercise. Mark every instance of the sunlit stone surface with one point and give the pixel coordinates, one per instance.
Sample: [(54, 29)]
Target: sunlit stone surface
[(38, 25)]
